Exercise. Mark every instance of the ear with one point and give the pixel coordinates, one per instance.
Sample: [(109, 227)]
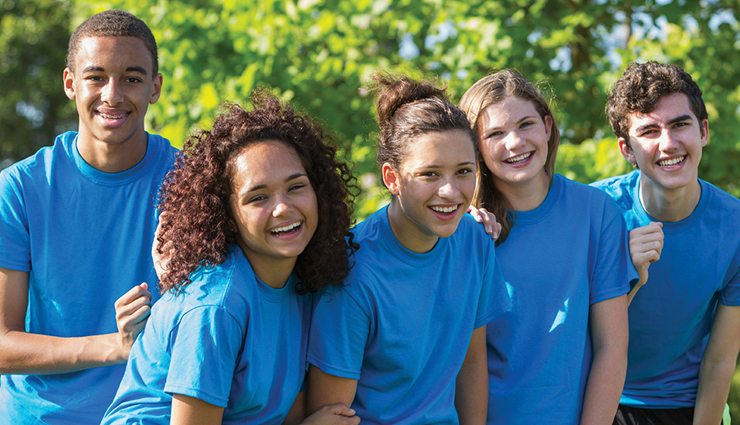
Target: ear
[(548, 125), (390, 178), (626, 151), (69, 83), (156, 89), (704, 131)]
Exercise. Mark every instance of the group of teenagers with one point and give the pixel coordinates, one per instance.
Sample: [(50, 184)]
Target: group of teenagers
[(271, 308)]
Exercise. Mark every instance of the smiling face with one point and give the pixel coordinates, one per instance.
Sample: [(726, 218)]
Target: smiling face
[(273, 205), (112, 86), (513, 142), (433, 187), (666, 144)]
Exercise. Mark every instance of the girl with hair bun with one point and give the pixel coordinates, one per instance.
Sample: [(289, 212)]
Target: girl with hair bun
[(560, 355), (403, 341), (257, 214)]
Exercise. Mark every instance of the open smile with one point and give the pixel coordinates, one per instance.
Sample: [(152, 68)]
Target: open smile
[(445, 212), (519, 159), (287, 230)]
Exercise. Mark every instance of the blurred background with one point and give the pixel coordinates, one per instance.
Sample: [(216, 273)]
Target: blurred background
[(320, 56)]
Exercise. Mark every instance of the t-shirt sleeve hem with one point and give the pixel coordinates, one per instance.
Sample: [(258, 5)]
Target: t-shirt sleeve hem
[(200, 395), (332, 370), (22, 266), (607, 295), (729, 302)]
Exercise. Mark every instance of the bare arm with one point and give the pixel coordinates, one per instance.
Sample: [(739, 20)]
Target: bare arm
[(191, 411), (646, 245), (325, 389), (609, 329), (23, 352), (718, 366), (471, 397)]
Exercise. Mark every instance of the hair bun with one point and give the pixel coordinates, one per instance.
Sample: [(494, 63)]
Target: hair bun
[(394, 92)]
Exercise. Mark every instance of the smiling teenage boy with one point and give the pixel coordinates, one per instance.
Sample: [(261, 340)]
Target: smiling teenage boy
[(685, 322), (78, 222)]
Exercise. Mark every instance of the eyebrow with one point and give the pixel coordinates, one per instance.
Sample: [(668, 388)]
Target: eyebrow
[(94, 68), (435, 166), (685, 117), (264, 186)]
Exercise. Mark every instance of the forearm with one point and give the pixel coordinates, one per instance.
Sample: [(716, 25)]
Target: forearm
[(27, 353), (714, 387), (604, 387), (471, 397), (471, 394)]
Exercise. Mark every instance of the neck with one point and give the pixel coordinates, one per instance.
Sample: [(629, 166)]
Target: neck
[(273, 271), (669, 204), (110, 157), (527, 195), (407, 233)]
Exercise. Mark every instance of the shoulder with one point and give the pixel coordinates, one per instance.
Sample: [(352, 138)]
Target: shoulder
[(620, 188), (37, 166), (721, 199)]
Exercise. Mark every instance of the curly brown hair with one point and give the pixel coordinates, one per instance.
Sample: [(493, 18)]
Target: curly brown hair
[(489, 90), (642, 86), (113, 23), (198, 224)]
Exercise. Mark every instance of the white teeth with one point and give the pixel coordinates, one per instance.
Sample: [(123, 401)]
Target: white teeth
[(286, 228), (519, 158), (445, 209), (669, 162), (112, 117)]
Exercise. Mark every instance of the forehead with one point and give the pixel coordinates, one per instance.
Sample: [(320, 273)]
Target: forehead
[(265, 162), (512, 108), (112, 52), (669, 107), (440, 149)]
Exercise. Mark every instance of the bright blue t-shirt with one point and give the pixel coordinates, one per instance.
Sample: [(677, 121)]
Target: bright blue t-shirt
[(402, 324), (228, 339), (671, 317), (84, 237), (560, 258)]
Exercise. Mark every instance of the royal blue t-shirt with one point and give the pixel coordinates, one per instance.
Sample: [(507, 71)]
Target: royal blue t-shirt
[(402, 324), (84, 237), (560, 258), (671, 317), (228, 339)]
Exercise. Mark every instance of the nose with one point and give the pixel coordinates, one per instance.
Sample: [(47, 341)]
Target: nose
[(449, 190), (111, 93), (281, 207), (668, 141), (513, 140)]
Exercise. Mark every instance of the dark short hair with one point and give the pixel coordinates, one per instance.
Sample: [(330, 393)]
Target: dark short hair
[(113, 23), (642, 86)]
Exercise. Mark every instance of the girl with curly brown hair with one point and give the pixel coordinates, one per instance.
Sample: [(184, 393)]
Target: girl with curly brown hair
[(257, 217), (404, 339)]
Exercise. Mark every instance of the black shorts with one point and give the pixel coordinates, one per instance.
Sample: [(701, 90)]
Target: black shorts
[(627, 415)]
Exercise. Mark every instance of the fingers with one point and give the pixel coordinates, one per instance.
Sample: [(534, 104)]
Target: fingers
[(140, 290), (488, 219), (334, 414)]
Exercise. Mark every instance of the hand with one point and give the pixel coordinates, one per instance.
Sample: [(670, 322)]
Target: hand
[(646, 245), (132, 310), (333, 414), (482, 215)]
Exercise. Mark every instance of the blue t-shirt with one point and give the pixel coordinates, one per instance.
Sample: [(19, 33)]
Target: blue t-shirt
[(560, 258), (671, 317), (228, 339), (84, 236), (402, 324)]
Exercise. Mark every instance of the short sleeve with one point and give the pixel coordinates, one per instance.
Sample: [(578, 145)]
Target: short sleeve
[(613, 271), (15, 253), (339, 333), (495, 296), (204, 349)]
